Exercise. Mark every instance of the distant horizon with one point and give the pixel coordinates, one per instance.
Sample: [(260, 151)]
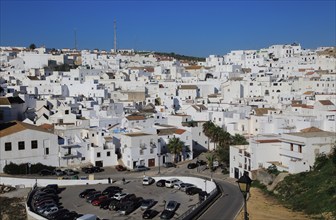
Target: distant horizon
[(153, 51), (192, 28)]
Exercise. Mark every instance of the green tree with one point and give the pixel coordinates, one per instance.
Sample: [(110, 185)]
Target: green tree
[(175, 146), (158, 101), (32, 46), (216, 135), (238, 139), (208, 128), (211, 157)]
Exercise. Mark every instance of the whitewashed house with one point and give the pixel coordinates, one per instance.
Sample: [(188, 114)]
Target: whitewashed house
[(26, 143), (139, 148)]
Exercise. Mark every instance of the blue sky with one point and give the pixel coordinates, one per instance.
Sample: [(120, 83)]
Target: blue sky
[(187, 27)]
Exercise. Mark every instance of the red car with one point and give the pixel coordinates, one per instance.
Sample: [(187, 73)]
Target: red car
[(99, 200), (120, 168)]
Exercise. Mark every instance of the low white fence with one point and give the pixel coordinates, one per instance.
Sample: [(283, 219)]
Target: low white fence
[(203, 184)]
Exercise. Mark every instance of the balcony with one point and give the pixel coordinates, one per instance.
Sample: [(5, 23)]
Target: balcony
[(70, 156), (292, 154)]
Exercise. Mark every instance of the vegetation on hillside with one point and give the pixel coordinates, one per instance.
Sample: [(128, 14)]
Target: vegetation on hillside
[(180, 57), (312, 192)]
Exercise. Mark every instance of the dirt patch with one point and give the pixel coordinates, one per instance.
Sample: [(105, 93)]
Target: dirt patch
[(12, 208), (261, 206)]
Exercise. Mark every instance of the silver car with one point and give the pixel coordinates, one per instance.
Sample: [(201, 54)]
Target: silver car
[(171, 205), (147, 203)]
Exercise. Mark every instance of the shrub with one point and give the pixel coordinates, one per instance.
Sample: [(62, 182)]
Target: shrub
[(15, 169)]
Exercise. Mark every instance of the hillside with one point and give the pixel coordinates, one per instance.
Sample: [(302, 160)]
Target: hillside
[(312, 192)]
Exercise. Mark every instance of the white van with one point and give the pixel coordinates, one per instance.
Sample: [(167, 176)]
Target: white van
[(170, 183)]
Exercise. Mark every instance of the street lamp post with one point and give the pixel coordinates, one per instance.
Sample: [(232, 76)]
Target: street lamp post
[(159, 156), (244, 183)]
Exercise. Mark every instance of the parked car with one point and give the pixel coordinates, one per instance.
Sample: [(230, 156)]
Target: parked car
[(69, 172), (170, 182), (169, 164), (161, 183), (113, 203), (50, 211), (200, 162), (59, 214), (105, 204), (111, 191), (91, 193), (93, 197), (128, 197), (147, 180), (53, 186), (166, 214), (120, 195), (149, 214), (172, 205), (192, 165), (46, 172), (48, 190), (44, 204), (140, 168), (184, 186), (193, 190), (120, 168), (147, 203), (87, 169), (177, 185), (98, 201), (59, 172), (43, 208), (97, 169), (85, 192)]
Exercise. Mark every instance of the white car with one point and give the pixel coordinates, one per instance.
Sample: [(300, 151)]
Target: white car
[(178, 185), (120, 195), (50, 211), (184, 186), (147, 180)]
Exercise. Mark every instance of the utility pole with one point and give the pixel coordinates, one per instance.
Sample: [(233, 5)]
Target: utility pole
[(115, 35)]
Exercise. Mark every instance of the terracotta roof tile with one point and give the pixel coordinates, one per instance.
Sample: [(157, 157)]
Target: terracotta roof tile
[(13, 127), (326, 102), (135, 117), (311, 129), (179, 131)]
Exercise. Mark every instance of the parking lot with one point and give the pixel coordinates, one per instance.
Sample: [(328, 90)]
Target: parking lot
[(70, 199)]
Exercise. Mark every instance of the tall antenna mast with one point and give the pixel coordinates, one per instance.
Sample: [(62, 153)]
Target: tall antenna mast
[(115, 35), (75, 39)]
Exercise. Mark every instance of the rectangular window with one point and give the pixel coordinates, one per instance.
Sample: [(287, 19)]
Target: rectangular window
[(21, 145), (47, 151), (34, 144), (300, 148), (98, 154), (291, 147), (108, 153), (8, 146), (66, 112)]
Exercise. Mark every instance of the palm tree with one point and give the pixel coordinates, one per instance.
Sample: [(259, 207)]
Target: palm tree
[(175, 146), (216, 134), (211, 158), (208, 130), (238, 139)]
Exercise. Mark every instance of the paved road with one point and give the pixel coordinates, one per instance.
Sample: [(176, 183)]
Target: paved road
[(227, 206)]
